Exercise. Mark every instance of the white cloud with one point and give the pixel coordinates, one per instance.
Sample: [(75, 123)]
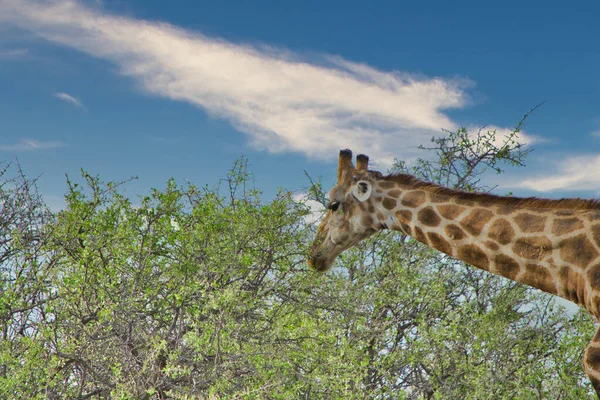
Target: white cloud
[(67, 98), (315, 208), (574, 173), (282, 100), (29, 145), (595, 133)]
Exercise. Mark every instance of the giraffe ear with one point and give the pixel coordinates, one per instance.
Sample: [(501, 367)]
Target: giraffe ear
[(362, 190)]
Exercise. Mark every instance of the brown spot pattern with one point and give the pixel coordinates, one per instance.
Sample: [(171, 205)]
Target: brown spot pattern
[(420, 235), (367, 221), (476, 220), (438, 198), (429, 217), (533, 248), (491, 245), (595, 303), (404, 216), (463, 202), (439, 243), (596, 234), (389, 203), (578, 251), (530, 223), (501, 231), (395, 193), (454, 232), (413, 199), (573, 285), (506, 266), (539, 277), (406, 228), (594, 276), (592, 357), (505, 210), (473, 255), (450, 211), (386, 184), (563, 226)]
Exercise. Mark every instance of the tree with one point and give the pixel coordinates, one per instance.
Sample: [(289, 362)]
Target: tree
[(24, 265), (203, 292)]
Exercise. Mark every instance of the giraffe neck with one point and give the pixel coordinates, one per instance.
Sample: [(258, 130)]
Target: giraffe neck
[(546, 244)]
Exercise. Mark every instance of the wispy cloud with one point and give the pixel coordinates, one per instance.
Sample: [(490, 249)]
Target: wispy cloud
[(67, 98), (13, 54), (580, 172), (284, 101), (29, 145)]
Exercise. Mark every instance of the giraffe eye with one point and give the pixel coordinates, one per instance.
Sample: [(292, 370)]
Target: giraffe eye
[(333, 206)]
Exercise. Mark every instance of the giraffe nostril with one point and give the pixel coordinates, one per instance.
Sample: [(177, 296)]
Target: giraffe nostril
[(314, 256)]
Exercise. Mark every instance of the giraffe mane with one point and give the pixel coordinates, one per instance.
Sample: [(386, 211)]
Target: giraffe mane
[(511, 201)]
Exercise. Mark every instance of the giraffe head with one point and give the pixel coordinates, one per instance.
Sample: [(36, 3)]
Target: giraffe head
[(348, 219)]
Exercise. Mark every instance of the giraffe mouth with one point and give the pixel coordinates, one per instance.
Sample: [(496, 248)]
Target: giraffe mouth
[(323, 257), (318, 263)]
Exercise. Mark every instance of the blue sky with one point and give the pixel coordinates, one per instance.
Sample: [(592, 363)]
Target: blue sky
[(181, 89)]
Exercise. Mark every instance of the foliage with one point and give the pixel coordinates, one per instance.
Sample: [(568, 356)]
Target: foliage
[(203, 292), (462, 158)]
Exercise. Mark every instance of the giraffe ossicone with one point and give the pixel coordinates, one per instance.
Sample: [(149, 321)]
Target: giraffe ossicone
[(552, 245)]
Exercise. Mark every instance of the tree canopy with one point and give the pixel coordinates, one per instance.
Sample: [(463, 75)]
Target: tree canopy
[(203, 292)]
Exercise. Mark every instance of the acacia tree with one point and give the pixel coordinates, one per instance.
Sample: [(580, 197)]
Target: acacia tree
[(173, 297), (24, 269), (203, 292)]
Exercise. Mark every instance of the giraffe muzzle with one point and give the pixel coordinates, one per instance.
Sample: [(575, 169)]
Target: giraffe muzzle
[(318, 261)]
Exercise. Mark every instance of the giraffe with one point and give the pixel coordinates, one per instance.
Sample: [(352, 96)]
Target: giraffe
[(552, 245)]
